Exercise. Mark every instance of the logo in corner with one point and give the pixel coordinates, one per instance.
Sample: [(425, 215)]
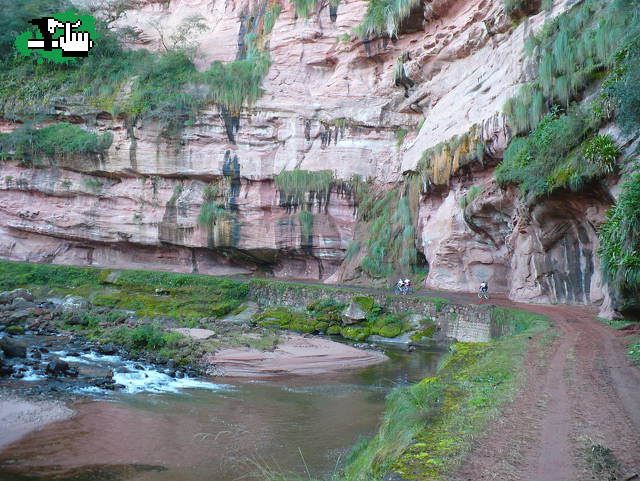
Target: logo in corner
[(59, 38)]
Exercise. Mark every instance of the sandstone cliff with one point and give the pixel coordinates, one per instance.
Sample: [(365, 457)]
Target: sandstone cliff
[(329, 103)]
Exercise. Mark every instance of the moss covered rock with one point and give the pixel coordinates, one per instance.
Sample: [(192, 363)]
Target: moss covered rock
[(357, 333), (391, 330), (334, 329), (358, 309), (426, 332), (364, 302)]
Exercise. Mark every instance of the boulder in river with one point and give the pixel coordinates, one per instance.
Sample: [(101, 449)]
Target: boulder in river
[(57, 368), (7, 297), (13, 347), (357, 310), (107, 349), (74, 304)]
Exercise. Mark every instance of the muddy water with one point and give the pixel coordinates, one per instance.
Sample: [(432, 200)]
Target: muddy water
[(296, 425)]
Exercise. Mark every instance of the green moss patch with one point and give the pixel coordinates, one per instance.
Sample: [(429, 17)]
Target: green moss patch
[(356, 333), (426, 332), (365, 303)]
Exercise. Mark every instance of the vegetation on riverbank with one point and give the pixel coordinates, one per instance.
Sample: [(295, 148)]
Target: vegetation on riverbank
[(429, 426), (326, 316), (139, 309)]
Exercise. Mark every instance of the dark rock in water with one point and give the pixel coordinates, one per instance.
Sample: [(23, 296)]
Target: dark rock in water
[(13, 347), (72, 372), (179, 374), (8, 296), (119, 386), (58, 368), (140, 367), (171, 364), (107, 349), (122, 370), (110, 375), (170, 373), (36, 355)]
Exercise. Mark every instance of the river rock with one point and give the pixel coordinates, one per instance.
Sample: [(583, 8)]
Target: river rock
[(7, 297), (21, 303), (74, 304), (13, 347), (107, 349), (58, 368), (353, 314), (18, 316)]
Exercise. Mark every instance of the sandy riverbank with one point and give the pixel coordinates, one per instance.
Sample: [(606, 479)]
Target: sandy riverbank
[(295, 354), (19, 416)]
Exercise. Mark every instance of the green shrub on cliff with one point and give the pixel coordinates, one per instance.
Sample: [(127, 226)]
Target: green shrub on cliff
[(384, 17), (161, 86), (53, 142), (391, 243), (572, 52), (561, 152), (211, 209), (620, 246), (298, 186)]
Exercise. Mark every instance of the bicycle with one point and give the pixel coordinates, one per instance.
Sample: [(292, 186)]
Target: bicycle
[(483, 294), (402, 290)]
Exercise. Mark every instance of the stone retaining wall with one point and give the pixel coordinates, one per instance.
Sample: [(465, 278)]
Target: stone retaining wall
[(462, 322)]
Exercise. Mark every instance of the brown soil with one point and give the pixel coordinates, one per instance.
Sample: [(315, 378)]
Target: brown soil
[(579, 390)]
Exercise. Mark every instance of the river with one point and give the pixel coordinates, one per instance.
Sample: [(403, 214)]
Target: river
[(214, 431)]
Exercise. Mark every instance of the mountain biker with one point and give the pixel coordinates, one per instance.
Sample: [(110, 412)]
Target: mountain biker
[(484, 287)]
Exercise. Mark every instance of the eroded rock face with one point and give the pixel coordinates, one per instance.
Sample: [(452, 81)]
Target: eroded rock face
[(327, 105), (554, 250), (545, 252)]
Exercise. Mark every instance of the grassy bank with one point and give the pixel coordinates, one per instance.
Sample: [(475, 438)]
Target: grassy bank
[(139, 310), (428, 427), (633, 347)]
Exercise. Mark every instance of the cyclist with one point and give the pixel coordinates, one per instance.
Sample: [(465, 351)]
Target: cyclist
[(484, 290), (407, 285), (400, 286)]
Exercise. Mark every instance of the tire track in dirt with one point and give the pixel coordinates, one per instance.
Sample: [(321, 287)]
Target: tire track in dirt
[(580, 391)]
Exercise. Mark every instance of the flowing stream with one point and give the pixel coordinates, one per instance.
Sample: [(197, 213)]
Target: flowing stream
[(164, 429)]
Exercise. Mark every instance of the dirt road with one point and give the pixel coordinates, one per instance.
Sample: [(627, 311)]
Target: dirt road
[(580, 391)]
